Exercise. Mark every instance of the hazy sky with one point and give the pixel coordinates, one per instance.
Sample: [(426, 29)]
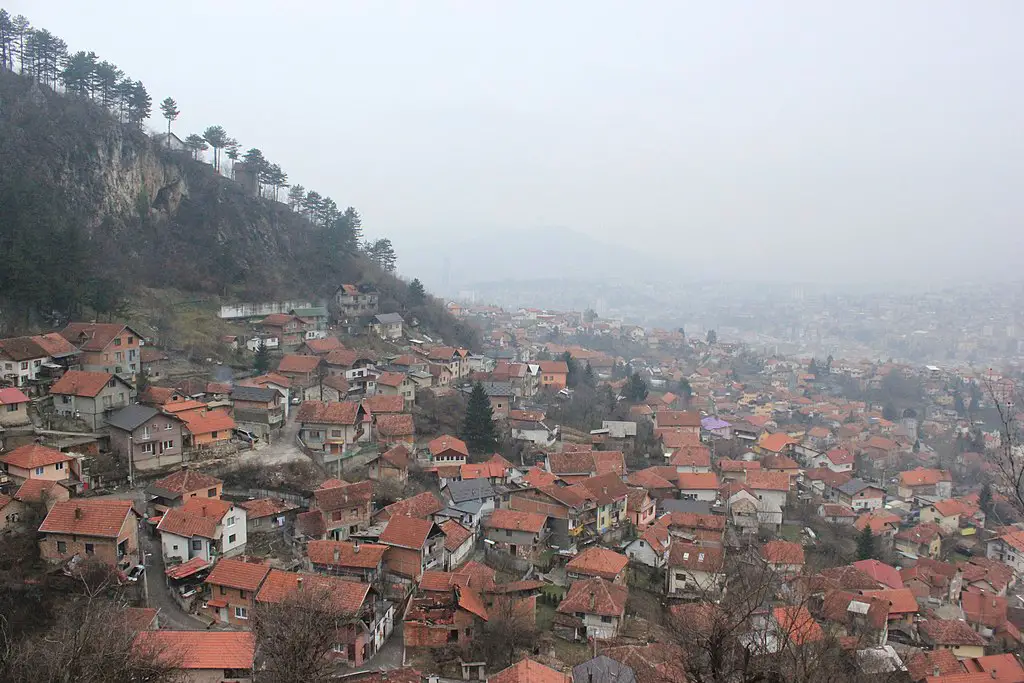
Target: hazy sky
[(789, 139)]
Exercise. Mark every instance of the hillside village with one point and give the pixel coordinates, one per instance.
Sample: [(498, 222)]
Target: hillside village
[(576, 498)]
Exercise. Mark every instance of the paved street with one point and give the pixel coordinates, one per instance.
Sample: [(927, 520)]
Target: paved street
[(171, 614), (389, 656), (283, 448)]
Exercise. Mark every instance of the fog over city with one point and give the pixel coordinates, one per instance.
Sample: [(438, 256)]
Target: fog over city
[(798, 141)]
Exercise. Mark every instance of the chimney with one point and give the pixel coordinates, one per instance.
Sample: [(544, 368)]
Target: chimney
[(935, 671), (78, 512), (593, 600), (337, 554), (298, 583), (355, 546)]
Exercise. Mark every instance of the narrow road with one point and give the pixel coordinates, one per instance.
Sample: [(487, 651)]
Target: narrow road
[(172, 616), (283, 447)]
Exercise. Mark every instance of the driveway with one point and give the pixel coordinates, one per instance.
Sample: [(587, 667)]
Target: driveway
[(390, 656), (283, 447), (172, 616)]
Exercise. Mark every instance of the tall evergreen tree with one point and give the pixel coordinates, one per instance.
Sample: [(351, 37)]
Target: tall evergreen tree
[(478, 427), (218, 138), (311, 205), (573, 376), (170, 111), (140, 104), (588, 376), (295, 197), (866, 544), (712, 337), (417, 294), (355, 223), (635, 389), (261, 361), (20, 29), (107, 77), (382, 253), (197, 144), (6, 41), (79, 74)]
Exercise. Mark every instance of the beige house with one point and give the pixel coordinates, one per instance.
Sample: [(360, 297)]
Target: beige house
[(13, 407), (90, 396), (33, 461)]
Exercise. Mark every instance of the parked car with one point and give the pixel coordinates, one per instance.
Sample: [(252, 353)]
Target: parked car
[(247, 436), (136, 572)]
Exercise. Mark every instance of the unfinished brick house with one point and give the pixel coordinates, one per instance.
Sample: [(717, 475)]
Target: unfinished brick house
[(444, 619)]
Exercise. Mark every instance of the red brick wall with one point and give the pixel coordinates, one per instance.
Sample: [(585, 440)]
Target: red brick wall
[(403, 562)]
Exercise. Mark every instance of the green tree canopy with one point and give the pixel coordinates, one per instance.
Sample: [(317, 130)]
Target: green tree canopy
[(478, 427), (261, 361), (635, 389), (866, 544), (169, 110)]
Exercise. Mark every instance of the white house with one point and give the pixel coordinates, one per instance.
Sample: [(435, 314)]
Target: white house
[(771, 489), (698, 486), (271, 343), (1008, 549), (694, 569), (652, 547), (208, 528)]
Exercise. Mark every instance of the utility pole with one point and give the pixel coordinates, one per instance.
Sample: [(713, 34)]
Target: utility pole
[(131, 461)]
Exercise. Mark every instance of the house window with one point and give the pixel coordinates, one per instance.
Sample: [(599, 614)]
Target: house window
[(231, 538), (223, 590), (13, 408), (39, 470), (90, 549), (65, 399), (167, 445), (335, 433), (59, 466), (24, 366), (197, 545), (231, 521), (131, 340), (37, 363), (241, 594), (169, 427), (62, 547), (117, 341), (606, 620), (214, 435), (212, 493), (118, 356), (148, 448), (241, 613), (112, 383)]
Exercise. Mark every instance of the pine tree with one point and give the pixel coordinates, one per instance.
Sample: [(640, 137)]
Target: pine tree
[(985, 499), (355, 223), (296, 195), (478, 427), (169, 108), (572, 378), (261, 362), (866, 544), (382, 253), (79, 73), (588, 376), (417, 294), (197, 144), (6, 41), (218, 139), (712, 337), (140, 104), (635, 389)]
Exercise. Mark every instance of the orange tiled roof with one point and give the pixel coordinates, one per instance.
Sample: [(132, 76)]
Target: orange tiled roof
[(422, 506), (783, 552), (212, 421), (186, 481), (298, 364), (90, 517), (346, 554), (380, 403), (923, 477), (692, 481), (265, 507), (31, 456), (406, 532), (768, 481), (200, 649), (454, 534), (444, 443), (346, 596), (529, 671), (33, 490), (516, 520), (233, 573), (81, 383), (597, 561), (337, 497), (399, 424), (798, 625), (776, 442), (328, 412), (595, 596)]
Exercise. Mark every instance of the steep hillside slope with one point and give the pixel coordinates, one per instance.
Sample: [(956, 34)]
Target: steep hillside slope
[(90, 208)]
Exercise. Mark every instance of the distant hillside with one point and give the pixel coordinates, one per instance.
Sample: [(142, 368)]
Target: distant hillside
[(91, 208)]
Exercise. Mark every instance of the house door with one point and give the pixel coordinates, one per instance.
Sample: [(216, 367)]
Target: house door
[(512, 549), (223, 615)]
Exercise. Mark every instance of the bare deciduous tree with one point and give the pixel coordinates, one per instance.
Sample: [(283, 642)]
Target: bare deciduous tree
[(510, 627), (295, 637)]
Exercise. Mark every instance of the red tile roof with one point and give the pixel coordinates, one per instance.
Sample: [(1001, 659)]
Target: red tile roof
[(344, 496), (692, 456), (322, 346), (406, 532), (597, 561), (535, 476), (211, 421), (923, 477), (89, 517), (984, 609), (529, 671), (595, 596), (949, 632), (798, 625), (649, 480), (516, 520), (444, 443), (328, 412), (342, 358), (738, 465), (877, 519), (10, 396), (783, 552), (554, 367), (901, 600), (454, 534), (399, 424), (81, 383), (776, 442), (677, 418), (265, 507), (881, 572), (422, 505), (346, 596), (391, 379), (924, 663), (380, 403), (699, 481), (397, 456), (238, 574), (33, 490), (695, 557), (34, 455), (1004, 668), (346, 554), (442, 582), (186, 481), (200, 649), (93, 336), (767, 481)]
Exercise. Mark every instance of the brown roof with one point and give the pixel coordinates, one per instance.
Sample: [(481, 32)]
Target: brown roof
[(949, 632), (200, 649), (924, 663), (208, 422), (923, 477), (185, 481), (677, 418), (516, 520), (454, 534), (767, 481), (391, 379), (298, 364), (597, 561), (232, 573), (180, 523), (346, 596), (604, 488), (81, 383), (93, 517), (649, 480), (901, 600), (696, 557), (278, 319), (345, 554), (442, 582), (836, 608), (529, 671), (33, 490), (342, 358), (572, 463), (554, 367), (399, 424), (345, 496), (397, 456), (783, 552), (982, 608), (34, 455), (406, 532), (422, 505), (265, 507), (444, 443), (329, 412), (384, 404), (595, 596), (653, 662), (311, 523), (322, 346), (93, 336)]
